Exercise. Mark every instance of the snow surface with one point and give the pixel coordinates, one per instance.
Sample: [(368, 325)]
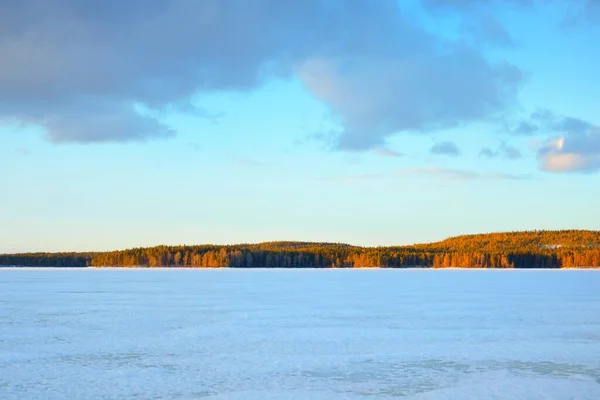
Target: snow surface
[(299, 334)]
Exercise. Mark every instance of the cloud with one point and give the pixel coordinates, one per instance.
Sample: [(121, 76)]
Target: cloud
[(573, 147), (385, 152), (576, 151), (546, 121), (101, 125), (376, 98), (478, 24), (583, 11), (525, 128), (469, 4), (491, 30), (573, 144), (450, 174), (592, 10), (355, 178), (445, 148), (487, 152), (78, 67), (443, 174), (509, 152), (550, 121), (503, 150)]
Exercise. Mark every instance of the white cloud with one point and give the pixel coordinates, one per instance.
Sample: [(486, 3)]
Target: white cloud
[(574, 152)]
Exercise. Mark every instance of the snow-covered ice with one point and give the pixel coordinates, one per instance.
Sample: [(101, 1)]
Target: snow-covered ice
[(299, 334)]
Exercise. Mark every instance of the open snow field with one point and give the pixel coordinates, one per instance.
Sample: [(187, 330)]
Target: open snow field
[(299, 334)]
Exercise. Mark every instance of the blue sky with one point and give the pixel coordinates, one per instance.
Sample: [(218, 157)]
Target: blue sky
[(224, 121)]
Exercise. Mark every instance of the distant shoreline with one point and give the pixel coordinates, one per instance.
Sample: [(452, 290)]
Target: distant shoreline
[(519, 250), (142, 268)]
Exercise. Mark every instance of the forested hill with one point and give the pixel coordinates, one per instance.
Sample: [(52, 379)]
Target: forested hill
[(532, 249)]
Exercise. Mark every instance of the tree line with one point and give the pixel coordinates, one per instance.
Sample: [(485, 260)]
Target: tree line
[(531, 249)]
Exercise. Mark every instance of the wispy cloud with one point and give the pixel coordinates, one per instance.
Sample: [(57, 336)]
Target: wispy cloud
[(355, 178), (249, 162), (442, 174), (385, 152), (450, 174)]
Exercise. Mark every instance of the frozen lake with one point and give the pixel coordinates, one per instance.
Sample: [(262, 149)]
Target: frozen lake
[(299, 334)]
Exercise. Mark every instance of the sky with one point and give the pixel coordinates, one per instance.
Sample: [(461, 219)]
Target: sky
[(370, 122)]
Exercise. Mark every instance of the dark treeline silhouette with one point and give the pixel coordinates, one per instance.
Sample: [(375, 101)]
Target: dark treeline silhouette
[(47, 259), (533, 249)]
